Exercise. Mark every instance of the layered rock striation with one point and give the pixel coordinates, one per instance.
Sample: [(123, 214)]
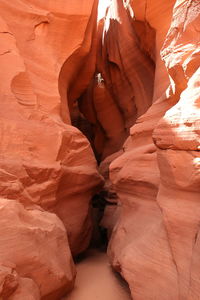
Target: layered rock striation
[(45, 163), (131, 86), (154, 243)]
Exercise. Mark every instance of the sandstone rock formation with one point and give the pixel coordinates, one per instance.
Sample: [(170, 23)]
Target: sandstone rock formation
[(131, 86), (26, 289), (155, 242), (44, 161), (33, 43), (35, 242), (124, 75)]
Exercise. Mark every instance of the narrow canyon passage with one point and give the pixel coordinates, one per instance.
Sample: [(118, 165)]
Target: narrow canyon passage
[(100, 148), (104, 109), (96, 280)]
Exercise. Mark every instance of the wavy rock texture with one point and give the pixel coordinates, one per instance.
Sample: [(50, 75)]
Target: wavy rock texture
[(155, 242), (43, 159), (132, 87), (124, 74), (49, 157)]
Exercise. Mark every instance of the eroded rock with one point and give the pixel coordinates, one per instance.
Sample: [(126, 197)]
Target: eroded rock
[(35, 242), (154, 243)]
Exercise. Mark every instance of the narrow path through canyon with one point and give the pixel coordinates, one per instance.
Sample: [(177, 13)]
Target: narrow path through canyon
[(96, 280)]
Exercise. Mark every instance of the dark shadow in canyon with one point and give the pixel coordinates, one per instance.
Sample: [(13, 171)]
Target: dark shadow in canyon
[(119, 91)]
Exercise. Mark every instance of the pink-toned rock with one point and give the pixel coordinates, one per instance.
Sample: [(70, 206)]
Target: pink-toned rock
[(154, 244), (35, 242), (179, 129), (9, 280), (124, 74), (99, 107), (159, 18), (124, 65), (138, 247), (58, 69), (43, 160), (27, 289), (177, 139), (13, 287)]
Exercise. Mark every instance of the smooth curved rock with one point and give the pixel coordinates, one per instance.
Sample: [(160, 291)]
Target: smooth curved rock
[(158, 185), (58, 69), (40, 151), (124, 74)]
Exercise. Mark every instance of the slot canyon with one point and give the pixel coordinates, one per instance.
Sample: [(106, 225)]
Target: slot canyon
[(100, 150)]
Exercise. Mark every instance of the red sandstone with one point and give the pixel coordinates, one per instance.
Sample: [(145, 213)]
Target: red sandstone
[(131, 84)]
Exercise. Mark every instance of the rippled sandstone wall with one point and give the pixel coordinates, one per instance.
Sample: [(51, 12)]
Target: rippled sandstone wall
[(155, 241), (124, 75), (134, 78), (45, 163)]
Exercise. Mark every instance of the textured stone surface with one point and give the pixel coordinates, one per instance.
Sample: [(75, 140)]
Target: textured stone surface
[(9, 280), (124, 75), (42, 157), (27, 289), (132, 86), (155, 242), (35, 242)]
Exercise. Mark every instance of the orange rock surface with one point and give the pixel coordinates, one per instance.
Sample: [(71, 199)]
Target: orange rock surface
[(44, 161), (42, 157), (112, 101), (130, 83), (34, 243), (154, 244)]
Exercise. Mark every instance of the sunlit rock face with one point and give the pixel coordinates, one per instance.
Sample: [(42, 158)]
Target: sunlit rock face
[(45, 163), (131, 85), (155, 243)]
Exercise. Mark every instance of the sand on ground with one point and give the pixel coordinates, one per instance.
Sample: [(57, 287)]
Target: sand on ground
[(96, 280)]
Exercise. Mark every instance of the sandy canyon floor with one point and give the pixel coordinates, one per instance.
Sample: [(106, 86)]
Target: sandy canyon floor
[(96, 280)]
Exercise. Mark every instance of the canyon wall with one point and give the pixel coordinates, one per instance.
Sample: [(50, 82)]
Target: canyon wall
[(131, 85), (155, 241), (124, 75), (46, 165)]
